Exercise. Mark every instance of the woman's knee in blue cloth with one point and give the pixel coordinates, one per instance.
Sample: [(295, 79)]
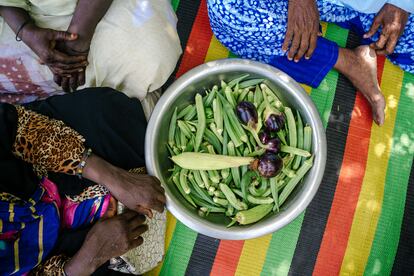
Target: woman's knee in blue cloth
[(248, 30)]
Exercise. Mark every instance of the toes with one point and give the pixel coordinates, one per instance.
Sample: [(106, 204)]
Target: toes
[(378, 109)]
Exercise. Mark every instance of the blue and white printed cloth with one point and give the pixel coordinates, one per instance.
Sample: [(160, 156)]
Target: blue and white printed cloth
[(256, 30)]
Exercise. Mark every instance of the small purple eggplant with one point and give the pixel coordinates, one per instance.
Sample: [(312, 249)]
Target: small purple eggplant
[(274, 145), (274, 122), (264, 137), (247, 113), (269, 165)]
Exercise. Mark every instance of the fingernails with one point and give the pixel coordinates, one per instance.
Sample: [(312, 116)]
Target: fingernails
[(80, 70), (73, 36), (289, 58), (365, 36), (307, 57), (296, 60)]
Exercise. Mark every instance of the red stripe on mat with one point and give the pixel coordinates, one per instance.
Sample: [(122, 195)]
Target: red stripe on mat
[(198, 42), (227, 258), (335, 238)]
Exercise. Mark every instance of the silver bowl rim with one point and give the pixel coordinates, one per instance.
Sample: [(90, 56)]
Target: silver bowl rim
[(293, 211)]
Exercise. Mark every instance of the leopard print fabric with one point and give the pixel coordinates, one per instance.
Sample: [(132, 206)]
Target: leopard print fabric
[(51, 267), (88, 193), (47, 143)]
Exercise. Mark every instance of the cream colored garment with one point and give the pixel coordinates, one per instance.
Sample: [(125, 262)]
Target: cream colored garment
[(134, 49)]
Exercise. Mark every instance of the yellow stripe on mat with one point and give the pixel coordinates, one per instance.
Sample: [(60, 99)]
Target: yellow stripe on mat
[(216, 50), (307, 88), (372, 191), (253, 256), (324, 26)]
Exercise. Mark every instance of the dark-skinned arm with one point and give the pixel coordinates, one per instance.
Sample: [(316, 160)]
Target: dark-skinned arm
[(86, 17), (42, 41)]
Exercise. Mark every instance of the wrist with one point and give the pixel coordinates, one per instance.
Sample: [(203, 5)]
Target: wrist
[(98, 170), (80, 265), (84, 37), (26, 33)]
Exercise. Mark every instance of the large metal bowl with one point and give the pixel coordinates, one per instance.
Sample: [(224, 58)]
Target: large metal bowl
[(181, 93)]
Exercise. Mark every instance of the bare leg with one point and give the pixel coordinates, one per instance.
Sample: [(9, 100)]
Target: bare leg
[(359, 65)]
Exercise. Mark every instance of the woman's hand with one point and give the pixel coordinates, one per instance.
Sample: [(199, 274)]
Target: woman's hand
[(302, 29), (43, 43), (392, 19), (78, 47), (108, 238), (139, 192)]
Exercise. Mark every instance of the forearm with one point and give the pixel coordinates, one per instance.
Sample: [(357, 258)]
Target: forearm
[(14, 17), (87, 15), (81, 264)]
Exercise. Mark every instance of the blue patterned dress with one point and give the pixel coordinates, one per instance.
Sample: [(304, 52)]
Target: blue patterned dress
[(256, 30)]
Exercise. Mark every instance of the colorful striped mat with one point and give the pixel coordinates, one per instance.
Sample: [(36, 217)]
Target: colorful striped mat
[(362, 218)]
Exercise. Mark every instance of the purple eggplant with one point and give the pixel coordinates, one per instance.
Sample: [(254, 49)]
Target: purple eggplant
[(274, 121), (264, 137), (269, 165), (273, 145), (247, 113)]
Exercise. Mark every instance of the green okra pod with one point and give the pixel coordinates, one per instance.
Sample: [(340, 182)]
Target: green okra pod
[(242, 95), (191, 114), (202, 193), (275, 193), (254, 214), (218, 115), (185, 129), (231, 132), (259, 200), (183, 181), (291, 184), (300, 134), (201, 125), (231, 197), (212, 139), (235, 172), (237, 80), (291, 126), (258, 96), (229, 96), (250, 83), (172, 127), (307, 140), (245, 182), (221, 201), (213, 209), (230, 210), (176, 181), (184, 111), (208, 100)]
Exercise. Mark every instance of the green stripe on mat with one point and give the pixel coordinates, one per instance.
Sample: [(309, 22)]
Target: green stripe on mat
[(179, 251), (283, 244), (175, 4), (281, 248), (384, 247), (324, 94)]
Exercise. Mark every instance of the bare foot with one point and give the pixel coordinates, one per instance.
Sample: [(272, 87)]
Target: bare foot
[(359, 65)]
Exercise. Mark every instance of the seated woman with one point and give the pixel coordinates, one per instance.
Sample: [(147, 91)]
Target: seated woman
[(266, 30), (129, 45), (61, 170)]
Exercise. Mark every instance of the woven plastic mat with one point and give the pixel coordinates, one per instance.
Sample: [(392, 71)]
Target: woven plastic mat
[(362, 218)]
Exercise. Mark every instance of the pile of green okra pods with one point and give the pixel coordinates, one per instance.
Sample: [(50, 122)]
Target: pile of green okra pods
[(238, 151)]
